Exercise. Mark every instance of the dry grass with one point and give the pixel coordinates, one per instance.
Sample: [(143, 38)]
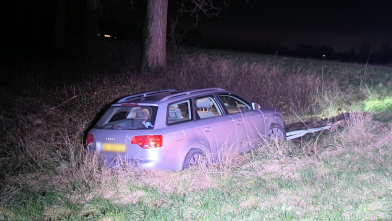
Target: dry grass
[(290, 91), (47, 174), (284, 184)]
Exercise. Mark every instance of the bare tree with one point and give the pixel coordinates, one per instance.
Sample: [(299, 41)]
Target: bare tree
[(154, 36), (197, 8), (175, 37)]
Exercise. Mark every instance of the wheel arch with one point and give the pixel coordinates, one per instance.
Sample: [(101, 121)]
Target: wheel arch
[(198, 146), (276, 118)]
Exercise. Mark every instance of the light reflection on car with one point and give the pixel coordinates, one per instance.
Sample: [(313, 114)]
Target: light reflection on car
[(173, 130)]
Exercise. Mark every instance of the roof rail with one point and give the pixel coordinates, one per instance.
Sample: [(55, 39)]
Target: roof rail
[(191, 92), (145, 94)]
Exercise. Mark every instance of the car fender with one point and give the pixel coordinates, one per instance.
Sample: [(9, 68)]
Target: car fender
[(275, 120), (272, 116), (203, 146)]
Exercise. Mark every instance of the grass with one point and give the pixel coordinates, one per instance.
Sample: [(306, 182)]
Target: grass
[(344, 184), (341, 174), (381, 107)]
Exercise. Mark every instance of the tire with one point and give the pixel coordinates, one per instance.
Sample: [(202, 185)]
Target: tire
[(195, 158), (276, 131)]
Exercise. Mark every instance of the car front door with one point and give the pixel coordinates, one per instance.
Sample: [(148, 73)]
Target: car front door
[(249, 123)]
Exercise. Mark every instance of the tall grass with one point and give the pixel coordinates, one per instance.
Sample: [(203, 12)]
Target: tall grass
[(349, 180), (338, 175)]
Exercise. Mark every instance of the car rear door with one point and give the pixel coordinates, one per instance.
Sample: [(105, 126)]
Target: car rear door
[(218, 128)]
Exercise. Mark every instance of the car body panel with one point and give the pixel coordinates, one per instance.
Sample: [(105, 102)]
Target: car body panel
[(255, 121), (241, 128), (221, 135), (233, 125), (189, 135)]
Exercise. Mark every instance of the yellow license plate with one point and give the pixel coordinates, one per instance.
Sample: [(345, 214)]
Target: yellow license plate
[(113, 147)]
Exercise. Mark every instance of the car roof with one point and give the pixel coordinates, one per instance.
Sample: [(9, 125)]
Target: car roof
[(164, 95)]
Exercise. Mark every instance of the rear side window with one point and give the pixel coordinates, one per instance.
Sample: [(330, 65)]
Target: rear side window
[(234, 104), (128, 117), (207, 107), (179, 112)]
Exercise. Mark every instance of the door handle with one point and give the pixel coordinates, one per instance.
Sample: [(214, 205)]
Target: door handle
[(238, 122), (207, 129)]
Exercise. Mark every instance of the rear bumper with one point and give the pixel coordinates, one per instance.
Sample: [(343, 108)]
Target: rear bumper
[(167, 164)]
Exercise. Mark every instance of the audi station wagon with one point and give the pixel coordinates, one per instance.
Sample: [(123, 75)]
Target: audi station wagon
[(173, 130)]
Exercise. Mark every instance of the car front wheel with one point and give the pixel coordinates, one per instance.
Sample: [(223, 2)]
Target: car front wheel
[(276, 131)]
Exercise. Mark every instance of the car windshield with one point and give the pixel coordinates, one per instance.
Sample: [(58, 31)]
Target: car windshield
[(128, 117)]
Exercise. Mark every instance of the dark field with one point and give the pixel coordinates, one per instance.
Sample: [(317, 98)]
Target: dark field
[(47, 102)]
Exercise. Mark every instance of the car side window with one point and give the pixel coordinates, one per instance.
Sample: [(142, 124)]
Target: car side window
[(179, 112), (207, 107), (234, 104)]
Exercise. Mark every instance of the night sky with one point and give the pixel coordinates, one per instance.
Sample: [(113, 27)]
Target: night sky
[(343, 25)]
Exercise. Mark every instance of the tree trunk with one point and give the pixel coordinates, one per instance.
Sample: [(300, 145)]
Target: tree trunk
[(154, 36)]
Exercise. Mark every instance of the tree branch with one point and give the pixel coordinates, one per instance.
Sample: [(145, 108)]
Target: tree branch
[(197, 8)]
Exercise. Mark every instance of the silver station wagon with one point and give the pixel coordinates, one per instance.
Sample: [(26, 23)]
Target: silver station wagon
[(173, 130)]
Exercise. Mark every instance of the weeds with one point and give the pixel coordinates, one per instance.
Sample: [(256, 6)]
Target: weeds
[(338, 175)]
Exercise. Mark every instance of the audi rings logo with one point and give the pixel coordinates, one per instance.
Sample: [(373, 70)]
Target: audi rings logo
[(110, 138)]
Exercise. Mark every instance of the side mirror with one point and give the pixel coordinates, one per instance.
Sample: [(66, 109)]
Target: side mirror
[(256, 106)]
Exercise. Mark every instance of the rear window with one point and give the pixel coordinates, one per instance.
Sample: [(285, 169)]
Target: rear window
[(128, 117)]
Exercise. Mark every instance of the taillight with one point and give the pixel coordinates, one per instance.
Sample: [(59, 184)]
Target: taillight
[(148, 141), (89, 139)]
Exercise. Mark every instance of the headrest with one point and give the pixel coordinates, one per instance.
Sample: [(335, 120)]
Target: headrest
[(203, 103), (173, 107), (175, 113), (142, 113)]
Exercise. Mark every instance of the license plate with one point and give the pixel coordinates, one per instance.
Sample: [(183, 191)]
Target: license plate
[(113, 147)]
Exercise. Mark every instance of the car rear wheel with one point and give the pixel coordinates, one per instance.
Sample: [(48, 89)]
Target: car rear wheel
[(276, 131), (195, 158)]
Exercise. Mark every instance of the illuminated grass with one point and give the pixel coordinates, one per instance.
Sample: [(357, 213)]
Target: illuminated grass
[(380, 108), (342, 174), (345, 187)]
